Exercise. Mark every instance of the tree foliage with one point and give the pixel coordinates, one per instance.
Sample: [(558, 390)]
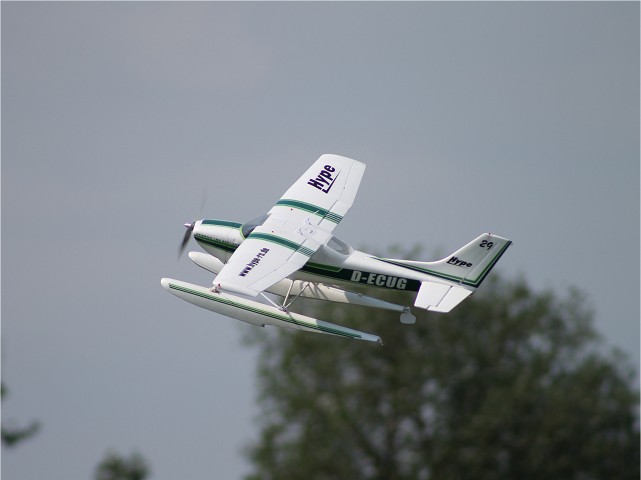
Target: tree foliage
[(511, 384), (117, 467), (11, 434)]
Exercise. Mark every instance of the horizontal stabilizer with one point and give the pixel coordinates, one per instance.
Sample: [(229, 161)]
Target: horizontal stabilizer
[(256, 313), (440, 297)]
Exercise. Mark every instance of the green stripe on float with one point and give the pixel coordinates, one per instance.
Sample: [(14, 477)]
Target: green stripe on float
[(259, 311)]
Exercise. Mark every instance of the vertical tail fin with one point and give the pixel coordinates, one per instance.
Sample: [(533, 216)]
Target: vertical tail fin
[(459, 274), (467, 266)]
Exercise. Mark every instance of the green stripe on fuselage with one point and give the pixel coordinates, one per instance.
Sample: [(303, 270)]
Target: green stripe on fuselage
[(363, 278), (227, 247), (222, 223), (472, 283), (423, 270), (327, 271)]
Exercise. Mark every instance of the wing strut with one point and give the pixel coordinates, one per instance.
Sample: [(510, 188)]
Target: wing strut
[(279, 307), (284, 307), (298, 295)]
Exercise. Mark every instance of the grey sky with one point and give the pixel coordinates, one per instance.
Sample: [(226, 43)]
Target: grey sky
[(517, 118)]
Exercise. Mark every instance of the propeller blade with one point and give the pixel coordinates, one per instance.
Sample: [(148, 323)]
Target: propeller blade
[(190, 226), (190, 229), (203, 201)]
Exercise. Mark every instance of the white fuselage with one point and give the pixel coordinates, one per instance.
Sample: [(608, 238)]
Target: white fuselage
[(335, 263)]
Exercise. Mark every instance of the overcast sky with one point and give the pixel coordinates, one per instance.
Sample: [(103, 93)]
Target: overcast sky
[(520, 119)]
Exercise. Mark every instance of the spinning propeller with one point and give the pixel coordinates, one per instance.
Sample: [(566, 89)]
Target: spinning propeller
[(190, 229), (190, 226)]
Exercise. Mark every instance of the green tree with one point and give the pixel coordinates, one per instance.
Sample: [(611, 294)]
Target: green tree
[(12, 435), (511, 384), (117, 467)]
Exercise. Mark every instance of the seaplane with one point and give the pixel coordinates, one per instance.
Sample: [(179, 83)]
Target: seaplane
[(290, 252)]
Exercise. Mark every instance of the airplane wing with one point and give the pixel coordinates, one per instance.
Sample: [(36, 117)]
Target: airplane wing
[(300, 222)]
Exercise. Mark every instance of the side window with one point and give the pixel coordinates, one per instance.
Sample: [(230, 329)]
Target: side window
[(339, 246)]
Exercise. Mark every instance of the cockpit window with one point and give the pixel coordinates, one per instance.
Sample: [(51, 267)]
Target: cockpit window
[(339, 246), (248, 227)]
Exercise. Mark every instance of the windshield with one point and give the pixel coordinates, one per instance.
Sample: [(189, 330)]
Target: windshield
[(248, 227)]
